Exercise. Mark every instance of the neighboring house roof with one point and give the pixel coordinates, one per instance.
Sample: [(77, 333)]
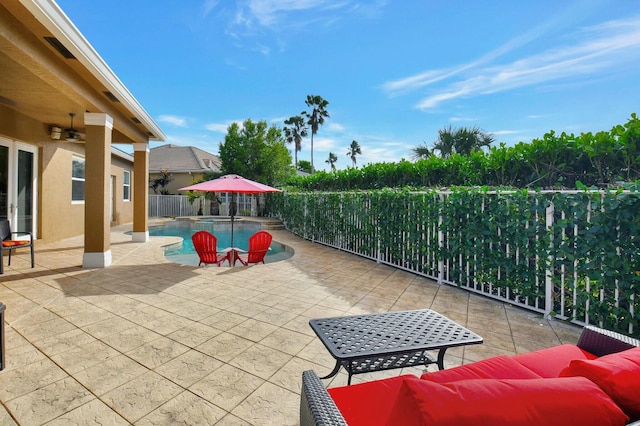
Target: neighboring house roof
[(182, 159)]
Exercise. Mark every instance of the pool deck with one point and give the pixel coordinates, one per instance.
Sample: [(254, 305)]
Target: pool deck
[(150, 342)]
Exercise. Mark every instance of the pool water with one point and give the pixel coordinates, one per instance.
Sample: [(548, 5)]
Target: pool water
[(185, 253)]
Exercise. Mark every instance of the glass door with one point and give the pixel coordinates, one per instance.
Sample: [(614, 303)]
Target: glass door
[(18, 185), (4, 181), (24, 191)]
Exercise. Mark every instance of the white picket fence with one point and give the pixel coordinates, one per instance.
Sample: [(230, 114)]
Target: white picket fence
[(414, 239), (180, 205)]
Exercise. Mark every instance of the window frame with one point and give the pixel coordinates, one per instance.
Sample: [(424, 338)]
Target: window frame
[(77, 158), (126, 185)]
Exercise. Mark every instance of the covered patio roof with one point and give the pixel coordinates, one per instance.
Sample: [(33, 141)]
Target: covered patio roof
[(50, 70)]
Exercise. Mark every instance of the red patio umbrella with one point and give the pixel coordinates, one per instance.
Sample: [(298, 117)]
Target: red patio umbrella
[(232, 184)]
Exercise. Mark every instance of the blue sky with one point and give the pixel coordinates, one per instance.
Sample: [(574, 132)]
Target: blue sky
[(394, 72)]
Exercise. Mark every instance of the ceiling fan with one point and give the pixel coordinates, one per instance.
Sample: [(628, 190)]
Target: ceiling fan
[(73, 134)]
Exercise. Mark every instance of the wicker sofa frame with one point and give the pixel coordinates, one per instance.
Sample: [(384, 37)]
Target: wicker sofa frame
[(318, 409)]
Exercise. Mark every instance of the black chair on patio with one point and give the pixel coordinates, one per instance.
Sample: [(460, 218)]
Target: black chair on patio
[(9, 244)]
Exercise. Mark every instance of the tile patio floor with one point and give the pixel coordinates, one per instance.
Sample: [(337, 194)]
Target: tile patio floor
[(149, 342)]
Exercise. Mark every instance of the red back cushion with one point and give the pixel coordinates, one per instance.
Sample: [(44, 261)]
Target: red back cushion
[(617, 374), (559, 401), (550, 362), (497, 367), (368, 403)]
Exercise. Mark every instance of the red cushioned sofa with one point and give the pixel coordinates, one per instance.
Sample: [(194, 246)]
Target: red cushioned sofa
[(596, 382)]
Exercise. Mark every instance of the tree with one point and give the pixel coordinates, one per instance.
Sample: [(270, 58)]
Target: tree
[(304, 166), (316, 117), (161, 182), (295, 133), (421, 152), (354, 149), (462, 141), (257, 152), (445, 143), (332, 161), (214, 208)]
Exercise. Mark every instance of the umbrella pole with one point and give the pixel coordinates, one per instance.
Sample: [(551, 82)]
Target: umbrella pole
[(232, 261)]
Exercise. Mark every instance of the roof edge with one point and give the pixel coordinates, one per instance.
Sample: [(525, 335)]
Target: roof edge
[(55, 20)]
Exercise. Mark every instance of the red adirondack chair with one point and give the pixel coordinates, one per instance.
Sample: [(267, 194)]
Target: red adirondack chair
[(258, 247), (206, 245)]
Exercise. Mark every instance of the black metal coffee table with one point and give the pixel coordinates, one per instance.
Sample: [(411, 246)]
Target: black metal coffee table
[(375, 342)]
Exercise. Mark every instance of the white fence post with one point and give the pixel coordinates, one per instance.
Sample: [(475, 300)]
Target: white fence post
[(440, 243), (548, 282)]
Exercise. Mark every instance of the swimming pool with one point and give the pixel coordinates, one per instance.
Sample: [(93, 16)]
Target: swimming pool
[(185, 254)]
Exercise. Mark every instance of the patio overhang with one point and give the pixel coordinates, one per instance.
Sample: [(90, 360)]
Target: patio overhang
[(50, 70)]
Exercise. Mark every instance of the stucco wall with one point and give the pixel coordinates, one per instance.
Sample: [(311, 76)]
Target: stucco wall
[(123, 210), (180, 180), (60, 216)]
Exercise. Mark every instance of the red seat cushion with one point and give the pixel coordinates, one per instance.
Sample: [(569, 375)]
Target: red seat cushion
[(368, 403), (15, 243), (617, 374), (559, 401), (498, 367), (550, 362)]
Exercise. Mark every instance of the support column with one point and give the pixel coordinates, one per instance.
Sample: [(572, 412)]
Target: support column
[(140, 192), (97, 231)]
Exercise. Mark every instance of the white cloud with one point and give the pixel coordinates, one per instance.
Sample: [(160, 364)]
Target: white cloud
[(321, 144), (602, 47), (506, 132), (287, 16), (380, 154), (412, 83), (335, 127), (223, 127), (409, 84), (208, 6), (267, 12), (174, 120), (459, 119)]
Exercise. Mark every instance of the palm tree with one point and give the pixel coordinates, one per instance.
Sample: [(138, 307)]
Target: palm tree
[(161, 182), (354, 149), (332, 161), (462, 141), (469, 140), (445, 143), (421, 152), (316, 117), (295, 133)]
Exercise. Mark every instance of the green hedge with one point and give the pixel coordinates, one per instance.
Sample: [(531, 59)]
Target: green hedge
[(554, 161), (494, 242)]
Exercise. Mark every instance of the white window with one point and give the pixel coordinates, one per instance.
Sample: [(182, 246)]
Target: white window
[(77, 178), (126, 185)]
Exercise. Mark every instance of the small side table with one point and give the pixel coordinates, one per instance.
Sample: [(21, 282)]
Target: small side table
[(232, 254), (396, 339)]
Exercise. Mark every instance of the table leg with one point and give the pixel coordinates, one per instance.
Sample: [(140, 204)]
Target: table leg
[(441, 358), (334, 371)]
